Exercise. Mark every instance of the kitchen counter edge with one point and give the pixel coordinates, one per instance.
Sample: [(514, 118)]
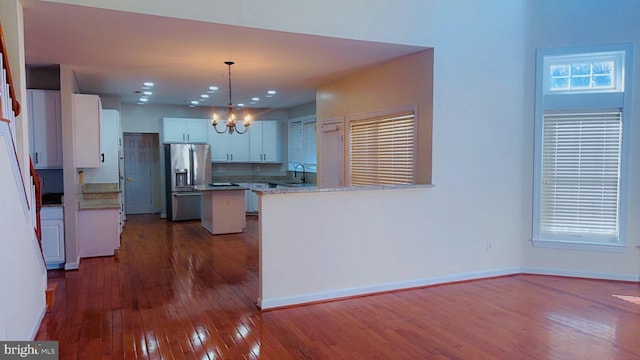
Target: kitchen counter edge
[(219, 188), (309, 189)]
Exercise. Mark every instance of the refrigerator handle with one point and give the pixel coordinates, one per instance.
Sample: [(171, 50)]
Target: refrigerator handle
[(191, 170)]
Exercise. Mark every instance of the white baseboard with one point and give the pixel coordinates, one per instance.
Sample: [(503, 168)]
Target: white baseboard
[(36, 327), (265, 304), (581, 274), (72, 265)]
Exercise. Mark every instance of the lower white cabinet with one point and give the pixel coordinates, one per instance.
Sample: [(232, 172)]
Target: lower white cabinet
[(52, 225), (251, 198), (99, 232)]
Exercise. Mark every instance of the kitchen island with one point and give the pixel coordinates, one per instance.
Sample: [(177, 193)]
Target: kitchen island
[(223, 208)]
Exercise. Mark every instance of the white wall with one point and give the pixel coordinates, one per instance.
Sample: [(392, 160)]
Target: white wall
[(23, 280), (478, 130), (478, 117), (571, 23), (22, 273), (360, 242)]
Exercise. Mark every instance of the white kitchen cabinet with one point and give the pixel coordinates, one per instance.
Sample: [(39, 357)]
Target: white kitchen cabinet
[(52, 225), (265, 142), (87, 111), (98, 232), (229, 147), (252, 202), (251, 198), (108, 171), (185, 131), (45, 128)]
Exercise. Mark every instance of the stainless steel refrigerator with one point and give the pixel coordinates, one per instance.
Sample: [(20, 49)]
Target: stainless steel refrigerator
[(186, 165)]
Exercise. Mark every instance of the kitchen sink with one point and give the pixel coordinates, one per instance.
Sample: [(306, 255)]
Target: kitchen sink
[(289, 184)]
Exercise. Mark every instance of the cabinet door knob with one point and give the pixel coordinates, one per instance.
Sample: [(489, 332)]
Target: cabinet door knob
[(102, 157)]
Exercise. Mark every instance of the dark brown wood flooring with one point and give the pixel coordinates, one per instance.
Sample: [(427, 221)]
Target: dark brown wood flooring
[(176, 292)]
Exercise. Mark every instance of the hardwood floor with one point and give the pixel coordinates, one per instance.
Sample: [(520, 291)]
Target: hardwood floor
[(176, 292)]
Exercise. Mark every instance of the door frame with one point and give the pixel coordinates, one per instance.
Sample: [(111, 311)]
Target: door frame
[(155, 167)]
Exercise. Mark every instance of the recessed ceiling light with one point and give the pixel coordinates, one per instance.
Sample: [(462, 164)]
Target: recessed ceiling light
[(140, 103), (271, 92), (268, 96), (149, 84), (195, 102), (192, 106), (241, 105), (148, 93), (213, 88), (142, 99), (255, 99), (204, 96)]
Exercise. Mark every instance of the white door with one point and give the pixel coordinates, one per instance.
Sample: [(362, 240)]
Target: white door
[(138, 167)]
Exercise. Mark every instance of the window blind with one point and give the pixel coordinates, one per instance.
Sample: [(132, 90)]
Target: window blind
[(581, 157), (309, 131), (382, 150)]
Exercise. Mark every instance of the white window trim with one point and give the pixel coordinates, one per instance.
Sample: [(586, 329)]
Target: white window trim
[(583, 101), (617, 56)]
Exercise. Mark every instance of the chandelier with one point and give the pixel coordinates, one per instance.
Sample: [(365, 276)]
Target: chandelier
[(230, 123)]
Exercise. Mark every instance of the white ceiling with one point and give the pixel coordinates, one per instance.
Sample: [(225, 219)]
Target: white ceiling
[(114, 52)]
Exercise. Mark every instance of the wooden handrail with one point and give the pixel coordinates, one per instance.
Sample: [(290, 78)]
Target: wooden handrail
[(15, 105)]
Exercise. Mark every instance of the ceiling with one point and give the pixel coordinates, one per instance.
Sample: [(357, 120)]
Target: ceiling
[(113, 52)]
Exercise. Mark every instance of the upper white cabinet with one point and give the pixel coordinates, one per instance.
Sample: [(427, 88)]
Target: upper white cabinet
[(87, 110), (265, 144), (45, 129), (185, 131), (229, 147), (108, 171)]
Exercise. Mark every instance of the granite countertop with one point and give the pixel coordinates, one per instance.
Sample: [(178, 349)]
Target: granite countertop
[(99, 196), (51, 205), (100, 188), (289, 183), (219, 187), (309, 189)]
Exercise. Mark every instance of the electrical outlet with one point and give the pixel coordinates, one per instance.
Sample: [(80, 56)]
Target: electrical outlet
[(489, 245), (220, 169)]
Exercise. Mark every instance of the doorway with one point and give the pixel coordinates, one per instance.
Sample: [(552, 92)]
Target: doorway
[(139, 165)]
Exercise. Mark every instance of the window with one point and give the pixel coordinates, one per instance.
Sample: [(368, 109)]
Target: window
[(580, 154), (302, 143), (590, 72), (382, 149)]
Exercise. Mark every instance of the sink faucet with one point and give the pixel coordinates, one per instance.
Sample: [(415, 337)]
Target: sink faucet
[(295, 173)]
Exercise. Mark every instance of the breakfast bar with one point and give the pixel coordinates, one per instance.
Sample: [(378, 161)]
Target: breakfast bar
[(223, 208)]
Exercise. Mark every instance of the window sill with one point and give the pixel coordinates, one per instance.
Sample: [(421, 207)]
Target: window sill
[(565, 245)]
